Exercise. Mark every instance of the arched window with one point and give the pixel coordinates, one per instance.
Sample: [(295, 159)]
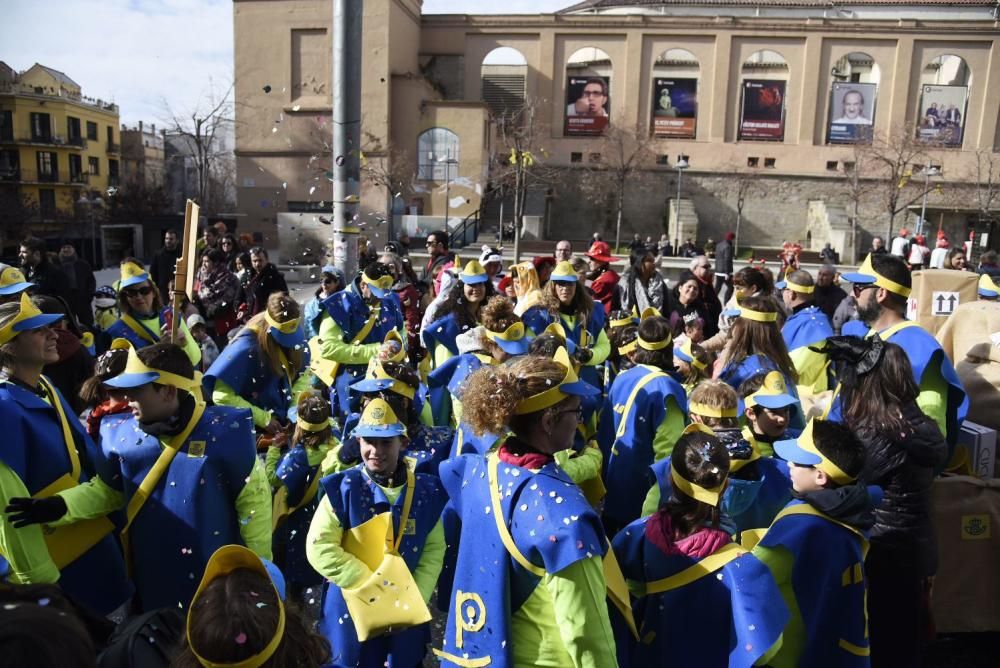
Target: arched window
[(503, 74), (438, 155), (675, 94)]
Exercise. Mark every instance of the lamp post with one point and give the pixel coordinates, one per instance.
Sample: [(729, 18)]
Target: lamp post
[(448, 162), (928, 173), (88, 204), (681, 165)]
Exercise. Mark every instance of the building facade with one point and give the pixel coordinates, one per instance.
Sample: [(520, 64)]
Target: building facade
[(143, 155), (780, 94), (56, 145)]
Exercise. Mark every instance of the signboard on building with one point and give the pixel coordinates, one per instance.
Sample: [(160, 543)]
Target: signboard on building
[(587, 105), (762, 110), (942, 114), (852, 111), (675, 107)]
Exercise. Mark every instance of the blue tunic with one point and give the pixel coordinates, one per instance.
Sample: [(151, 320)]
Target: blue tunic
[(34, 448), (192, 510), (120, 330), (829, 584), (355, 499), (350, 311), (242, 367), (729, 617), (735, 374), (631, 454), (428, 446), (489, 584), (297, 476), (442, 332)]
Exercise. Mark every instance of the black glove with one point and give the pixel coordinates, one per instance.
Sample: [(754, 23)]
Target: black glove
[(583, 355), (24, 512)]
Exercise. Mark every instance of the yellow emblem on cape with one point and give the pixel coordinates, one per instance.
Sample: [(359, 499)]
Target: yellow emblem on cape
[(196, 448)]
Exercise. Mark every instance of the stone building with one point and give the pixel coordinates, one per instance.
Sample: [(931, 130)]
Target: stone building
[(143, 155)]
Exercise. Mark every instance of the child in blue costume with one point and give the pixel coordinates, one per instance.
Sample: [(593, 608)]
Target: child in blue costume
[(531, 306), (755, 345), (692, 364), (649, 409), (377, 538), (265, 367), (460, 312), (44, 450), (352, 329), (206, 487), (622, 328), (806, 329), (700, 599), (882, 286), (529, 586), (143, 319), (816, 549), (758, 486), (294, 475)]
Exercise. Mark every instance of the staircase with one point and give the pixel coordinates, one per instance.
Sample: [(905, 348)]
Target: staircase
[(688, 220)]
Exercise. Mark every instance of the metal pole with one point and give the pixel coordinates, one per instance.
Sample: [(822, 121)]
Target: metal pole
[(93, 238), (500, 238), (677, 212), (447, 192), (923, 206), (347, 32)]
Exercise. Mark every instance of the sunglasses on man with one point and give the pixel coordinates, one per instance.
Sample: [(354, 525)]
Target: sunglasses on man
[(137, 292)]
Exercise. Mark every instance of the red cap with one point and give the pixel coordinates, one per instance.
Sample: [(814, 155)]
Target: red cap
[(504, 284), (540, 260), (600, 251)]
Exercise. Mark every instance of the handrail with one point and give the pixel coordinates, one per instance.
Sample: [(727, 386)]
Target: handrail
[(459, 237)]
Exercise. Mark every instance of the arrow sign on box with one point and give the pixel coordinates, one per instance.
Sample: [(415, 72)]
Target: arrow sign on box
[(944, 303)]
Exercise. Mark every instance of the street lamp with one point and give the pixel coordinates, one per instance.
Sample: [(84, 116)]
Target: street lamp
[(88, 204), (928, 173), (448, 162), (680, 166)]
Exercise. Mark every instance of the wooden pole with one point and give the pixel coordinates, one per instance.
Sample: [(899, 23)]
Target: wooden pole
[(185, 268)]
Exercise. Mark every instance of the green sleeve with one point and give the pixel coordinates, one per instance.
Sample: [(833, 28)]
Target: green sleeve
[(331, 462), (601, 349), (253, 508), (431, 561), (669, 431), (427, 415), (583, 466), (786, 652), (933, 397), (331, 340), (325, 554), (23, 548), (223, 395), (271, 462), (94, 498), (652, 502), (579, 594), (303, 383)]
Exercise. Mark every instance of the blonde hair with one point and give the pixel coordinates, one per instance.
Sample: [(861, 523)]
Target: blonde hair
[(281, 308), (312, 407), (715, 394), (491, 394)]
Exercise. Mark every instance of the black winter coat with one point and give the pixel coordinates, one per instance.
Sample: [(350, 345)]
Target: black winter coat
[(903, 466)]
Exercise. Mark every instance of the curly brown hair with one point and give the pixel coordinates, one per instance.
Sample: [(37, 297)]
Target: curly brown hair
[(498, 314), (491, 393)]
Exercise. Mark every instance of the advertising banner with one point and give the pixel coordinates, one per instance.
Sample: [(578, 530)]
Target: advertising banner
[(942, 114), (587, 105), (762, 110), (852, 110), (675, 107)]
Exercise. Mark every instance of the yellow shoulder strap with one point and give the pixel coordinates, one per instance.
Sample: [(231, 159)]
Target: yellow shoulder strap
[(364, 331), (508, 540), (280, 510), (327, 370), (889, 332), (806, 509), (136, 326), (623, 425), (67, 432), (393, 543), (618, 590), (706, 566)]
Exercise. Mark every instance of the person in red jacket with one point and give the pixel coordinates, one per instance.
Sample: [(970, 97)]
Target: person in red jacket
[(603, 279)]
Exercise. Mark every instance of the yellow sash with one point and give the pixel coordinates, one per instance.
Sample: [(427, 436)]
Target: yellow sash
[(617, 590), (156, 472), (138, 328), (623, 425), (68, 543), (389, 600), (703, 567), (806, 509), (326, 370), (889, 332), (280, 510)]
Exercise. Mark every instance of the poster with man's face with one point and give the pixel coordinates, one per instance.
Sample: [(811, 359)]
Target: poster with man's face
[(587, 105), (852, 110), (762, 113), (675, 107), (942, 114)]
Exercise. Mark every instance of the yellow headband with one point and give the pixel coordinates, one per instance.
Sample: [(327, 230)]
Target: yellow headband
[(758, 316), (227, 559), (685, 349), (287, 327), (650, 312), (624, 322), (880, 280), (801, 289), (808, 443), (736, 464), (705, 410), (384, 283), (312, 426), (696, 492), (377, 372), (513, 333), (135, 365), (628, 347), (553, 395), (654, 345)]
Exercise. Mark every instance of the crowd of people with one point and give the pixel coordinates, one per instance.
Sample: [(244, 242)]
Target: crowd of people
[(589, 469)]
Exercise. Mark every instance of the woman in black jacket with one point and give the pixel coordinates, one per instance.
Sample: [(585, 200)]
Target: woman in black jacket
[(904, 449), (264, 281)]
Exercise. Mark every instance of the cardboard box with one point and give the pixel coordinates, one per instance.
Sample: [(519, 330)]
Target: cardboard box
[(981, 442), (937, 292)]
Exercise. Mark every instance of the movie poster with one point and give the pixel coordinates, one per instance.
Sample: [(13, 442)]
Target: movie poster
[(675, 107), (587, 105), (762, 113), (942, 114), (852, 111)]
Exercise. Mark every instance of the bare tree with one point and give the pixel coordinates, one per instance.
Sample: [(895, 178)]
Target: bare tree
[(385, 166), (986, 179), (201, 132), (17, 213), (626, 156), (740, 182)]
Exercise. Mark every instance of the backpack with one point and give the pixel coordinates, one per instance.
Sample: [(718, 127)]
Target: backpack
[(151, 640)]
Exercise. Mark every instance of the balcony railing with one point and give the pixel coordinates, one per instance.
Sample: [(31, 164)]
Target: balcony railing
[(59, 177), (80, 178), (10, 175), (77, 141), (49, 140), (114, 148)]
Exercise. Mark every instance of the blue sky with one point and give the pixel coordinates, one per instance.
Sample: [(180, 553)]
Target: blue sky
[(148, 55)]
